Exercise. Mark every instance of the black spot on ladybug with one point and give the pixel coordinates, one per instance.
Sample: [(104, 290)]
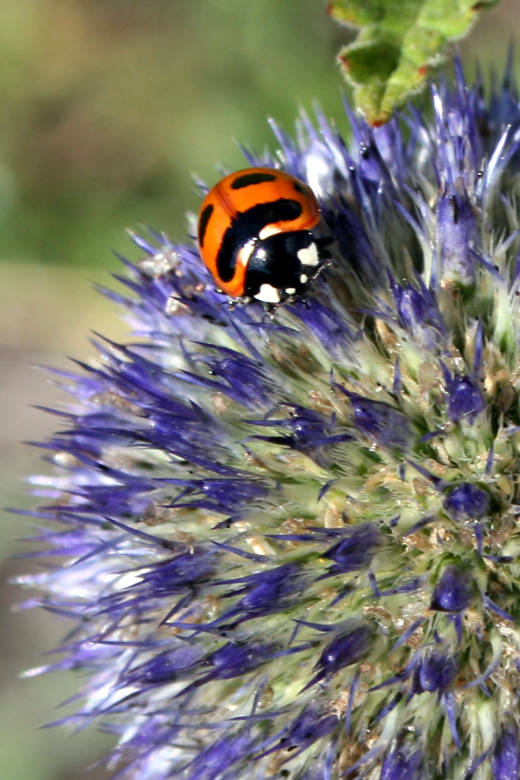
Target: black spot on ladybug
[(251, 178), (301, 188), (246, 227), (203, 223)]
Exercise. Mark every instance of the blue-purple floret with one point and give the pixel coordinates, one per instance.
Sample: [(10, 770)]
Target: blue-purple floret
[(454, 590), (402, 762), (167, 667), (348, 646), (180, 573), (265, 593), (219, 758), (233, 659), (457, 235), (306, 431), (418, 312), (379, 421), (436, 672), (356, 550), (310, 725), (285, 548), (465, 398), (466, 501)]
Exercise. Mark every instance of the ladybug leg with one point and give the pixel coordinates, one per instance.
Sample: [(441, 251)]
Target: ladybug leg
[(322, 267), (270, 310), (228, 303), (324, 254)]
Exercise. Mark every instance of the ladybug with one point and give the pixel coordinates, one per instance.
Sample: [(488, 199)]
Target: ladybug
[(254, 235)]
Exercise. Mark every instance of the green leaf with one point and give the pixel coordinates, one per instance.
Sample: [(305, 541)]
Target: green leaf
[(398, 44)]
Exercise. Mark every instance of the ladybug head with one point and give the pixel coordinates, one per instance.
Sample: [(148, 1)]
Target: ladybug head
[(282, 266)]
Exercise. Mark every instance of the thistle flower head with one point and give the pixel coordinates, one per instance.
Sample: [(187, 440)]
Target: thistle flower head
[(291, 545)]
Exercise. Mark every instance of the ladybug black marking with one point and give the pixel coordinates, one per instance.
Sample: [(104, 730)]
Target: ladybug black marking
[(254, 177), (247, 227), (204, 219)]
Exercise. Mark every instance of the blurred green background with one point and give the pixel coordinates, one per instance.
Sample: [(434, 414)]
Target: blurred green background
[(107, 109)]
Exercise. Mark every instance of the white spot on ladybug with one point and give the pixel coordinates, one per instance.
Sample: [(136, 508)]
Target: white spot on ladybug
[(304, 278), (268, 294), (268, 230), (309, 255), (245, 253), (290, 290)]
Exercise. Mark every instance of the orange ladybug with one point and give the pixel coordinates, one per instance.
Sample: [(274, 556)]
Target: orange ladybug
[(254, 235)]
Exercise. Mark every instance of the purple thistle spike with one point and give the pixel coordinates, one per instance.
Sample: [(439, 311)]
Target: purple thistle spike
[(505, 760), (403, 762), (288, 545)]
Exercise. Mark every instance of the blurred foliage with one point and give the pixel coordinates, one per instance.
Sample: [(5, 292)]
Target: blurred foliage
[(399, 42), (109, 106)]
